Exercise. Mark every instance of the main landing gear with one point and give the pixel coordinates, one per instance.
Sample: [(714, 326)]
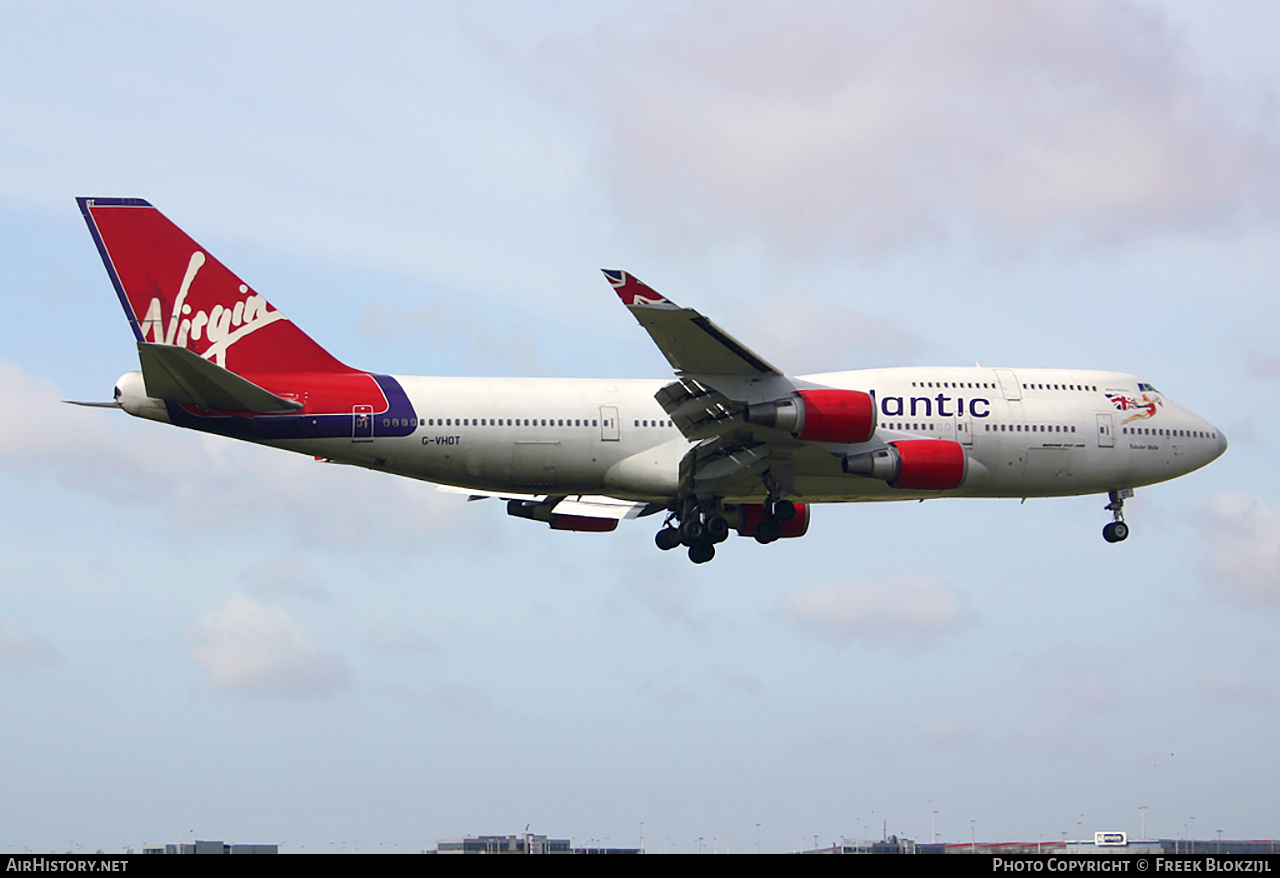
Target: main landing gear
[(700, 526), (776, 512), (1117, 530), (695, 529)]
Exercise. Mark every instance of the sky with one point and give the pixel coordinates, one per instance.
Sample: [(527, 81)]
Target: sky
[(200, 638)]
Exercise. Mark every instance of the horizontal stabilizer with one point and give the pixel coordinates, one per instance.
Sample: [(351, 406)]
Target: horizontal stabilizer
[(176, 374), (94, 405)]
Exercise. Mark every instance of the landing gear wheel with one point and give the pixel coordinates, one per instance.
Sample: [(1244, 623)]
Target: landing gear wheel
[(701, 553), (717, 529), (1115, 532), (692, 531), (768, 530), (784, 510), (667, 538)]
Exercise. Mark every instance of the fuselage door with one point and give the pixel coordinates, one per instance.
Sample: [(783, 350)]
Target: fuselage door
[(964, 429), (1009, 384), (610, 429), (1106, 434), (362, 423)]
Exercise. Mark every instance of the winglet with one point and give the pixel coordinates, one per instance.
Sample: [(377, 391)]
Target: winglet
[(692, 344), (634, 292)]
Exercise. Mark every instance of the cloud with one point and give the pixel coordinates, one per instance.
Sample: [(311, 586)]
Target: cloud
[(1243, 560), (204, 482), (945, 733), (461, 699), (1235, 690), (907, 613), (392, 640), (479, 343), (745, 683), (22, 650), (1068, 678), (666, 597), (286, 577), (668, 697), (808, 337), (1260, 366), (825, 128), (1073, 690), (255, 651)]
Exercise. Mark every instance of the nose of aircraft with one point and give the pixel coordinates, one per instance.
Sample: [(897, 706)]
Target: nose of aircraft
[(1222, 442)]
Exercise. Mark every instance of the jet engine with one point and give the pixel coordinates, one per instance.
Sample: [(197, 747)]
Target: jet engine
[(913, 464), (844, 416)]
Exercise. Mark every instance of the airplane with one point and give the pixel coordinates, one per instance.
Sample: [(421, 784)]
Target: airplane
[(731, 443)]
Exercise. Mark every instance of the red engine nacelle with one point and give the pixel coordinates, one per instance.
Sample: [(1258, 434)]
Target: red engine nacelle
[(914, 464), (844, 416), (751, 514)]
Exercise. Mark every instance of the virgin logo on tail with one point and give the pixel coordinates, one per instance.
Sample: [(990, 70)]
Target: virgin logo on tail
[(222, 326), (175, 292)]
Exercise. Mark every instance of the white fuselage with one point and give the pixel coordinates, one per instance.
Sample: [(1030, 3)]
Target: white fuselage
[(1028, 432)]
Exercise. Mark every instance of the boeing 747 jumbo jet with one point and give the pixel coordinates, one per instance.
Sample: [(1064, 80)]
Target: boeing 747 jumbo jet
[(731, 443)]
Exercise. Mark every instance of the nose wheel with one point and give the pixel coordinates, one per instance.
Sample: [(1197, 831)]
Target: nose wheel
[(1117, 530)]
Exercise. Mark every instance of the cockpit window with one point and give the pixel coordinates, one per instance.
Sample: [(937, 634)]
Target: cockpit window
[(1146, 387)]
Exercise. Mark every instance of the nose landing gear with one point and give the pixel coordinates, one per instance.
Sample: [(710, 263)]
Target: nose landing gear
[(1117, 530)]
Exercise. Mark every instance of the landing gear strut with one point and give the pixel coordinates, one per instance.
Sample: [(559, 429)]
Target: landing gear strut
[(1117, 530)]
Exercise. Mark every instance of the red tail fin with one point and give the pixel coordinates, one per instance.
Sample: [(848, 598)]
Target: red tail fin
[(174, 292)]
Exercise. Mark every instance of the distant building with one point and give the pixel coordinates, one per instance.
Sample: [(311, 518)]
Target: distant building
[(212, 847), (504, 844), (520, 844), (1107, 843)]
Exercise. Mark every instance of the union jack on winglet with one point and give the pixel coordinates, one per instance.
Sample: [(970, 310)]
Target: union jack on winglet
[(634, 292)]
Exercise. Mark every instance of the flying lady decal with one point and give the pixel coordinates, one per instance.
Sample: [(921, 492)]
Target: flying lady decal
[(1144, 409)]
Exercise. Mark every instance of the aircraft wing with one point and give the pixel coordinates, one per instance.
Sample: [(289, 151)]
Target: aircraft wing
[(584, 505), (692, 344), (717, 376)]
